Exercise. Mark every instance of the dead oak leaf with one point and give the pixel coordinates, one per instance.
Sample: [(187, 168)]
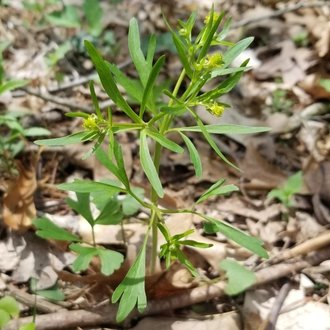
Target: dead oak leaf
[(18, 202)]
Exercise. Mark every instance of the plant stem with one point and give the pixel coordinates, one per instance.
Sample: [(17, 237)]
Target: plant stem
[(156, 159)]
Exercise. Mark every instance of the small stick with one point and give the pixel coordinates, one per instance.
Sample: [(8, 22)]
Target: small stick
[(270, 323), (41, 305)]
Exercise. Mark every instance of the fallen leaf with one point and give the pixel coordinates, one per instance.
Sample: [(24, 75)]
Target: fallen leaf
[(18, 202)]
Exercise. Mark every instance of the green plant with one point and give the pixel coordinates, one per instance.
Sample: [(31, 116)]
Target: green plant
[(13, 134), (281, 101), (8, 310), (286, 193), (202, 61)]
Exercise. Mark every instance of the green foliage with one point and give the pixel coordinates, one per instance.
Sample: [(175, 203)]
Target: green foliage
[(204, 58), (239, 278), (8, 309), (281, 101), (286, 193)]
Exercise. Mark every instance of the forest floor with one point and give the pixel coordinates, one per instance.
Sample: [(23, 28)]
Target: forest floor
[(284, 182)]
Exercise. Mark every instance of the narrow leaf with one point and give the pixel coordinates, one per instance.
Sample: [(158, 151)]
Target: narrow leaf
[(217, 191), (150, 83), (225, 129), (236, 50), (61, 141), (148, 165), (108, 82), (86, 186), (194, 155), (251, 243), (165, 142)]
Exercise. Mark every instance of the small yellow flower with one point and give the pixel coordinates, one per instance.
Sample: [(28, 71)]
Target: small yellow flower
[(216, 109), (214, 60), (90, 123), (208, 17)]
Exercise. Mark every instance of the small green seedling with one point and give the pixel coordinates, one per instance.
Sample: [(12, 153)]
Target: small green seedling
[(151, 114), (286, 193)]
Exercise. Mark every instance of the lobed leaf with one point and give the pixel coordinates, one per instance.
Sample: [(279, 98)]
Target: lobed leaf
[(239, 277), (131, 291), (48, 230)]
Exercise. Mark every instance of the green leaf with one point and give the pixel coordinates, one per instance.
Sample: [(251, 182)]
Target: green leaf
[(111, 214), (28, 326), (134, 46), (251, 243), (195, 244), (61, 141), (9, 305), (133, 87), (225, 129), (182, 52), (223, 72), (48, 230), (148, 165), (194, 155), (108, 82), (130, 205), (93, 13), (213, 144), (165, 142), (12, 84), (325, 83), (105, 160), (53, 293), (87, 186), (36, 131), (150, 83), (118, 153), (131, 291), (294, 183), (216, 190), (110, 261), (82, 206), (236, 50), (85, 256), (210, 35), (68, 18), (239, 278), (95, 101), (4, 318)]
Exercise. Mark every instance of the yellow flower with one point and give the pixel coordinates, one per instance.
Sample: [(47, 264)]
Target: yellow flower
[(208, 17), (214, 60), (216, 109), (90, 123)]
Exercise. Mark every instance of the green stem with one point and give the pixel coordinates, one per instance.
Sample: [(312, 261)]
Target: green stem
[(156, 159)]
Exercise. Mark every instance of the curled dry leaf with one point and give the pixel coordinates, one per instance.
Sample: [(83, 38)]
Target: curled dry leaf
[(18, 203)]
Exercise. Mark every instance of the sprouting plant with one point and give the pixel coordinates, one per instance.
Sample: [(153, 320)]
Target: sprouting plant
[(204, 58), (286, 193), (281, 101)]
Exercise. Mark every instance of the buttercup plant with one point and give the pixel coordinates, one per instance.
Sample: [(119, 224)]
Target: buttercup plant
[(202, 62)]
